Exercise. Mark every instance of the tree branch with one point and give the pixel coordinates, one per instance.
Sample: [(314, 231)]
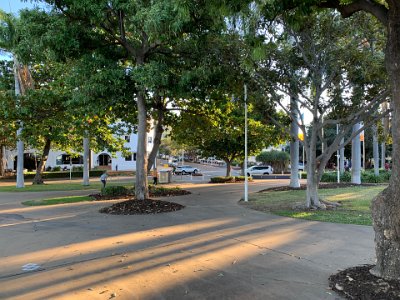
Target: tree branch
[(372, 7)]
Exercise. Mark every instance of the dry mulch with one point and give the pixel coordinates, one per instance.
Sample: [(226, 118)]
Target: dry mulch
[(141, 207), (359, 283)]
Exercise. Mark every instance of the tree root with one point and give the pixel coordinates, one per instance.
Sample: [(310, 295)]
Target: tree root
[(330, 204)]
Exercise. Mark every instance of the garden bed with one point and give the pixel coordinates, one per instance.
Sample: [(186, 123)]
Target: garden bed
[(140, 207), (359, 283)]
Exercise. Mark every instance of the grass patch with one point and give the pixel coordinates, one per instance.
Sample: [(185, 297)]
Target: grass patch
[(355, 202), (54, 201), (73, 186)]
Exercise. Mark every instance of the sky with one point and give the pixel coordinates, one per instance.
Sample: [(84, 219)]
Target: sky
[(14, 6)]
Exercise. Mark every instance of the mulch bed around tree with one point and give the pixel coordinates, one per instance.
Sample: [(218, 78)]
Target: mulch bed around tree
[(359, 283), (321, 186), (141, 207)]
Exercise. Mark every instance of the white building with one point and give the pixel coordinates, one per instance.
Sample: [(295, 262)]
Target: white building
[(101, 160)]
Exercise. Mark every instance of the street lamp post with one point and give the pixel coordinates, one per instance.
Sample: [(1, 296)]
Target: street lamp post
[(246, 183)]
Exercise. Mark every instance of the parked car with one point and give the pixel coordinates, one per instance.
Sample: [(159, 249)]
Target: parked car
[(186, 170), (259, 170), (301, 166)]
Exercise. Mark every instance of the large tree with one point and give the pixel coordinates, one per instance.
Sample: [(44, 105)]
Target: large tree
[(7, 102), (22, 79), (221, 133), (308, 63), (386, 207), (141, 31)]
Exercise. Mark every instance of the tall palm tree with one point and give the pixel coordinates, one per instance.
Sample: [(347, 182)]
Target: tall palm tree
[(22, 77)]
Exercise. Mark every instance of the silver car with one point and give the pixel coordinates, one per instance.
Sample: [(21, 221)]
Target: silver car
[(259, 170), (186, 170)]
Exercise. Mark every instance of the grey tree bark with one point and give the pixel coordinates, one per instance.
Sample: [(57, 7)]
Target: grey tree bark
[(294, 146), (20, 144), (2, 160), (375, 150), (141, 184), (341, 161), (158, 131), (86, 154), (386, 207), (228, 167), (38, 179), (356, 156)]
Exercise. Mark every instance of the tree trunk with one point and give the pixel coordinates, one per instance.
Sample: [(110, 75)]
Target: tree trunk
[(383, 155), (2, 160), (157, 139), (86, 154), (294, 146), (375, 149), (356, 157), (228, 167), (20, 144), (40, 169), (386, 207), (312, 198), (141, 185), (341, 161)]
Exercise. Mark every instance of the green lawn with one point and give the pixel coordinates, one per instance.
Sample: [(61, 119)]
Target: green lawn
[(61, 200), (355, 202), (69, 186)]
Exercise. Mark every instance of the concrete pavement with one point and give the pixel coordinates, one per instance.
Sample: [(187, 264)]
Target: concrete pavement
[(212, 249)]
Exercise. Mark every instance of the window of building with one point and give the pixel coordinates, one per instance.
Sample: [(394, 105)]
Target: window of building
[(127, 139), (128, 157), (66, 159)]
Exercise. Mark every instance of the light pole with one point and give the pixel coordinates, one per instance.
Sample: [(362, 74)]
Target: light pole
[(246, 183)]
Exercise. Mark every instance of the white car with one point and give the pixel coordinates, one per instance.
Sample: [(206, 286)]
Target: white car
[(259, 170), (186, 170)]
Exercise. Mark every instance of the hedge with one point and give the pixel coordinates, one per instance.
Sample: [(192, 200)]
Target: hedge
[(230, 179), (366, 177), (113, 191)]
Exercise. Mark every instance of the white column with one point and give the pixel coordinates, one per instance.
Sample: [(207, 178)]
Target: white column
[(356, 156)]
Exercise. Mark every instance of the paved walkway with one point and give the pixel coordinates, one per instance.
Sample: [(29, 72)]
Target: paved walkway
[(213, 249)]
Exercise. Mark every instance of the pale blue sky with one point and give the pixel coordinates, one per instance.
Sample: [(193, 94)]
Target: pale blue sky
[(15, 5)]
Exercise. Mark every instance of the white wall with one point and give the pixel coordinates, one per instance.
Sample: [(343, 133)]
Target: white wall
[(118, 160)]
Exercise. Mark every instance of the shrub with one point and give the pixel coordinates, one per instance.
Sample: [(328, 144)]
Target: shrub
[(77, 169), (159, 191), (113, 191), (345, 177), (56, 169), (242, 178), (329, 177), (222, 179), (230, 179)]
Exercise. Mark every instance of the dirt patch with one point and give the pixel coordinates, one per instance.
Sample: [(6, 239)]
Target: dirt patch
[(359, 283), (141, 207)]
